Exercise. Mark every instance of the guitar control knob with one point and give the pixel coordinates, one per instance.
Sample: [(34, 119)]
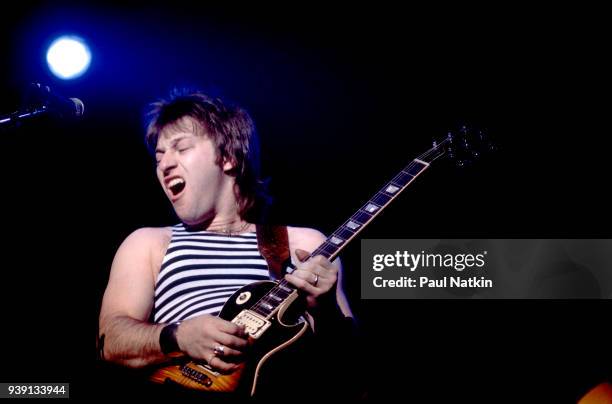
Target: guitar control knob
[(243, 297)]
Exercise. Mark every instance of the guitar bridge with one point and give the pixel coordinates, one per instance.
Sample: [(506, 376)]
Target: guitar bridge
[(254, 323), (196, 375)]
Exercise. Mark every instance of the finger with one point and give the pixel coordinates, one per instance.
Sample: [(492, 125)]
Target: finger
[(229, 327), (231, 341), (302, 255), (311, 277), (324, 262), (301, 284), (242, 331), (226, 351), (219, 364)]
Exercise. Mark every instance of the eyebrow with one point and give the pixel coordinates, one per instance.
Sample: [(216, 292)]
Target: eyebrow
[(172, 143)]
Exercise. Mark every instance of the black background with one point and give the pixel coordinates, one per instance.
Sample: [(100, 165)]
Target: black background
[(343, 97)]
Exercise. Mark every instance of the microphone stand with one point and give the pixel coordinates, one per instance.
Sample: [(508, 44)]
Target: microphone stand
[(19, 116), (41, 100)]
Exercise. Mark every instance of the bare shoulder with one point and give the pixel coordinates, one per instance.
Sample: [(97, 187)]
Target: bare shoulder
[(146, 246), (134, 272), (304, 238), (149, 236)]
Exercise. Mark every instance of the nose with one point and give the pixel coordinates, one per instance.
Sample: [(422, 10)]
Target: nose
[(167, 163)]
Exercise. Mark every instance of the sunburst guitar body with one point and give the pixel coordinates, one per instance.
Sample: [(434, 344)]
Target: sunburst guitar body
[(271, 328)]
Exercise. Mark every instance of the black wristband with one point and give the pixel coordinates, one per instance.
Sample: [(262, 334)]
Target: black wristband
[(167, 338)]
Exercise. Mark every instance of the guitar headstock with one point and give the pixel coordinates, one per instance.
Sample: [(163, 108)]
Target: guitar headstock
[(463, 146)]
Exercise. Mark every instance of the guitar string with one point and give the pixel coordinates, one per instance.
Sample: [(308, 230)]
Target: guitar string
[(258, 304), (411, 165)]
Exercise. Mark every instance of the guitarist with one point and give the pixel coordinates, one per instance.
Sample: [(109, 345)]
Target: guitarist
[(159, 298)]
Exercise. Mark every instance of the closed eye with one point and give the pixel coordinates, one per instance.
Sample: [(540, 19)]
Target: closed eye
[(182, 145)]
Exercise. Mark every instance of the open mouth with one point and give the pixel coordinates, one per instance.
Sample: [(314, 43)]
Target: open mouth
[(176, 186)]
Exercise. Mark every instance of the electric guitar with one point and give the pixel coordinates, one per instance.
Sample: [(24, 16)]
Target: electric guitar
[(267, 308)]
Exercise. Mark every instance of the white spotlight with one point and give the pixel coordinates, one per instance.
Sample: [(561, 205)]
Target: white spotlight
[(68, 57)]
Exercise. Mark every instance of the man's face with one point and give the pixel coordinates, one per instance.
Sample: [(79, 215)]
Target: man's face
[(187, 171)]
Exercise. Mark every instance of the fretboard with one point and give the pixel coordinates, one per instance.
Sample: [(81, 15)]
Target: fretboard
[(332, 246)]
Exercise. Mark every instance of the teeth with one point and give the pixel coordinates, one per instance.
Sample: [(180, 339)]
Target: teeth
[(175, 182)]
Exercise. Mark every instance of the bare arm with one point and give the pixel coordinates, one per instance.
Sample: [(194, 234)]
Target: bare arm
[(128, 338)]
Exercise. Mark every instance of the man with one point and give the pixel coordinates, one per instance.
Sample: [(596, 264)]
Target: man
[(167, 285)]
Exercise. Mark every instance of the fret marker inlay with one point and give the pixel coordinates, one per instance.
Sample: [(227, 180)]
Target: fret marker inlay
[(286, 289), (336, 240), (352, 225), (391, 189), (371, 208)]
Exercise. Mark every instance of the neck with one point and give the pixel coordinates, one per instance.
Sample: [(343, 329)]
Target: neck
[(229, 227), (223, 225), (225, 218)]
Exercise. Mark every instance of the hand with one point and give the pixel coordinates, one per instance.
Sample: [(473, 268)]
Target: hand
[(315, 277), (202, 337)]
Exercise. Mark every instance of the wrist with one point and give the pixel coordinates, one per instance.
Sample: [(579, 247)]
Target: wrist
[(167, 338)]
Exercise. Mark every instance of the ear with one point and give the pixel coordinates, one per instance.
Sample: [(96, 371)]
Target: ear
[(228, 165)]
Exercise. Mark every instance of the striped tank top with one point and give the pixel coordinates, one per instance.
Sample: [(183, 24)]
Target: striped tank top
[(201, 270)]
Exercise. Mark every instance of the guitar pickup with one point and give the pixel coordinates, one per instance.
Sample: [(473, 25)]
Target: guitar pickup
[(255, 325)]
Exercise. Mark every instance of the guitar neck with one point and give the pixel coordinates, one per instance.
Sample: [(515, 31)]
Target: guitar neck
[(340, 238)]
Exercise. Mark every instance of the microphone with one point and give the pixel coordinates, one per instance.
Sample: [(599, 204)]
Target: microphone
[(40, 100), (65, 107)]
